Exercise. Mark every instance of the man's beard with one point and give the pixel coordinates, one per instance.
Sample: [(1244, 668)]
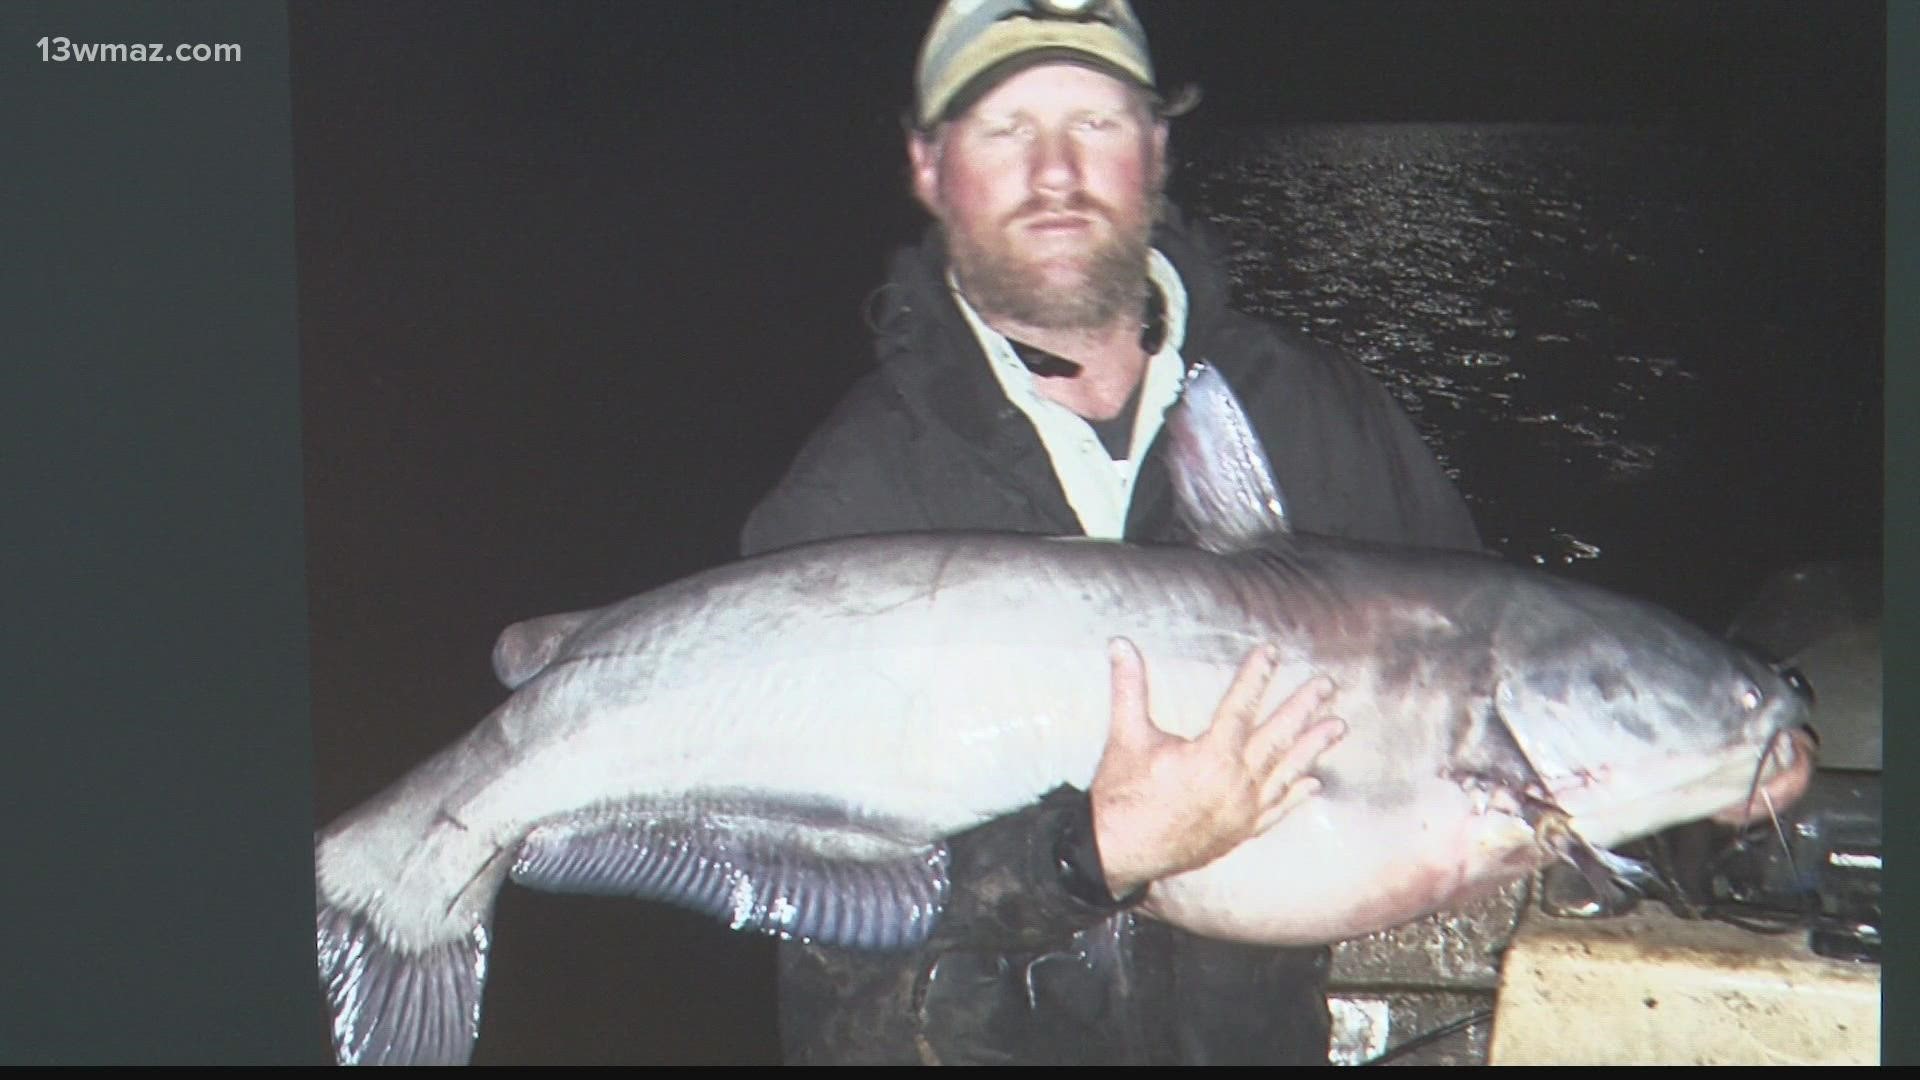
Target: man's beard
[(999, 283)]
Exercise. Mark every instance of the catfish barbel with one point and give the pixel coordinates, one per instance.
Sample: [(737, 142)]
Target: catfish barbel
[(785, 742)]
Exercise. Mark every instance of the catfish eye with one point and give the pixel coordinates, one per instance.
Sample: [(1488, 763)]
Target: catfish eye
[(1750, 697), (1797, 683)]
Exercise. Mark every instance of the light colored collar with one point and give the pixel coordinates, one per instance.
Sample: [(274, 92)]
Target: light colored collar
[(1098, 487)]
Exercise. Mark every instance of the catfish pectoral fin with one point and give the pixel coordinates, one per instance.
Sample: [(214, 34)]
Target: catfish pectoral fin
[(1616, 882)]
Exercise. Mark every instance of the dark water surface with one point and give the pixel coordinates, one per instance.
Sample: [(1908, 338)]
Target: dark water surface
[(1634, 374)]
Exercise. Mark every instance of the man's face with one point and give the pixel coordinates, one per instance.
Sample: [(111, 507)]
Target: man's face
[(1047, 189)]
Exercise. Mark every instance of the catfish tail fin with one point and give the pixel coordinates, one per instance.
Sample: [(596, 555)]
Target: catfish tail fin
[(391, 1006)]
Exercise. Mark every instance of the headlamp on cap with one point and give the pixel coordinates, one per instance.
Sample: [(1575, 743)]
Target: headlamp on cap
[(974, 44), (1071, 9)]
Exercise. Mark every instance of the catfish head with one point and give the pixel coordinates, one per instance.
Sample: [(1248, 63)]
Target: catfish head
[(1631, 719)]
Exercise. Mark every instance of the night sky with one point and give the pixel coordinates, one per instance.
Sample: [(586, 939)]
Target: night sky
[(577, 279)]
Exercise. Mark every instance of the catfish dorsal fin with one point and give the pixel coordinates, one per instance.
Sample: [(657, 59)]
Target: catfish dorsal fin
[(526, 648), (1222, 482)]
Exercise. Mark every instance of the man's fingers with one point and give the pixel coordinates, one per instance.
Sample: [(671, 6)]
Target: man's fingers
[(1129, 672), (1285, 725), (1784, 788), (1300, 757), (1298, 793), (1239, 708)]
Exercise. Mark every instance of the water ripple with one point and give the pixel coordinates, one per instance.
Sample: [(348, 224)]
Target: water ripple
[(1517, 288)]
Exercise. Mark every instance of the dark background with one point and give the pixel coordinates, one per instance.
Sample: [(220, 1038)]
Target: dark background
[(573, 282)]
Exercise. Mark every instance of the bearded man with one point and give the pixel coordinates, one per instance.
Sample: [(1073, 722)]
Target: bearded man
[(1028, 349)]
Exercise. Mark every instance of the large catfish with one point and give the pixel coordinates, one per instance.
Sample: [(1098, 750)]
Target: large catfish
[(784, 742)]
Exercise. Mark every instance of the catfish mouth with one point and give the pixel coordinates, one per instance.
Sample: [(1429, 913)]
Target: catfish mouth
[(1616, 803)]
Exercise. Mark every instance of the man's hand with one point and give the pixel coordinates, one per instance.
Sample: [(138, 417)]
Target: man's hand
[(1796, 754), (1163, 804)]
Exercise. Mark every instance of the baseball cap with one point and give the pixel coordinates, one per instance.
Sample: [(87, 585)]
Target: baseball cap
[(974, 44)]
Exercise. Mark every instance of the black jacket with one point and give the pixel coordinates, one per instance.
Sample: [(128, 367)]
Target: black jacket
[(1020, 968)]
